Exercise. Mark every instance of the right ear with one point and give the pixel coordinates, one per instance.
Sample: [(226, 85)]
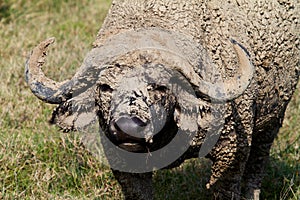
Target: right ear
[(211, 120), (77, 113)]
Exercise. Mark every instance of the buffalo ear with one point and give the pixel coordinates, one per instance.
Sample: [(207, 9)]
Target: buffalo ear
[(75, 114)]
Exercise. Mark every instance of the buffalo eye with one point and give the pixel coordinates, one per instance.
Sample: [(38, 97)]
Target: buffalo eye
[(105, 88), (161, 88)]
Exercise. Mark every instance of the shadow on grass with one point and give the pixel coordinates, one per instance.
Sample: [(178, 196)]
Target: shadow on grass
[(188, 181), (281, 181), (5, 11), (185, 182)]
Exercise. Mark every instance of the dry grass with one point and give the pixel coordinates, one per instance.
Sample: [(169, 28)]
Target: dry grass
[(39, 162)]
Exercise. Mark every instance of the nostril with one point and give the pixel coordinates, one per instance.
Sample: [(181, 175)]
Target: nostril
[(130, 125), (138, 121)]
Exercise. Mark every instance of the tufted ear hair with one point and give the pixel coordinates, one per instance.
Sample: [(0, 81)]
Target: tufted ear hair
[(77, 113)]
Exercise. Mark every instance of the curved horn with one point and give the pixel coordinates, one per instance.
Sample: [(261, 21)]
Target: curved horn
[(44, 88), (54, 92), (228, 89), (183, 48)]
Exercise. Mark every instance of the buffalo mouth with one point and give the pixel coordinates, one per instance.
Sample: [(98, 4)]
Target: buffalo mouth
[(132, 144), (133, 147)]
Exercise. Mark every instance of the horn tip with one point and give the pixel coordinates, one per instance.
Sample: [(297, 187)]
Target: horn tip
[(47, 42), (233, 41), (51, 40), (237, 44)]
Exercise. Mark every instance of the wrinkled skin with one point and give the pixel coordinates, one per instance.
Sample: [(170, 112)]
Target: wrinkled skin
[(227, 101)]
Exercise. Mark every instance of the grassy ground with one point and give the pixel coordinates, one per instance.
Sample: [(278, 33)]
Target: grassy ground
[(39, 162)]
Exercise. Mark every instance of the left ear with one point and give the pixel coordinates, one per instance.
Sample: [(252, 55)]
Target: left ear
[(77, 113)]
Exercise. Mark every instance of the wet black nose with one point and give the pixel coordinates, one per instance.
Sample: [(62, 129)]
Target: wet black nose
[(130, 125), (126, 129)]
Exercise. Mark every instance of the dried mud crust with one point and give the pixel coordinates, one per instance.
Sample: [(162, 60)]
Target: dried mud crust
[(269, 33)]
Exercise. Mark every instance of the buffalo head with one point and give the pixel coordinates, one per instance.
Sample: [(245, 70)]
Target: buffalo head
[(147, 88)]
